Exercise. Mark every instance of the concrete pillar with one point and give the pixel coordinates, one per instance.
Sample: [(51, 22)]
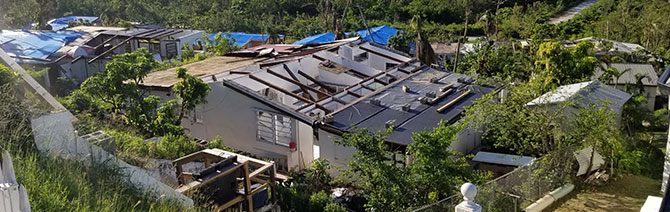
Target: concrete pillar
[(469, 192)]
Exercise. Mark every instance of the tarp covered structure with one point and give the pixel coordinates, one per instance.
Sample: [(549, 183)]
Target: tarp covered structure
[(380, 34), (320, 38), (35, 44), (241, 38), (63, 22)]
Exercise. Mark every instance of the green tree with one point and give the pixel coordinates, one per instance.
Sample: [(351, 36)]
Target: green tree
[(389, 184), (558, 65), (118, 84), (400, 42), (192, 91), (220, 45)]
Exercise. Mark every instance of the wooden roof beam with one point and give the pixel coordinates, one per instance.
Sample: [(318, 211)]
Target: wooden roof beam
[(110, 50), (302, 87), (380, 54), (301, 98), (310, 78)]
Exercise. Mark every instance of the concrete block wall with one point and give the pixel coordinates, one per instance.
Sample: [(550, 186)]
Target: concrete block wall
[(54, 134)]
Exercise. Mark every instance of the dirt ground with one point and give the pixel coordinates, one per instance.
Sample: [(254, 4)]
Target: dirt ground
[(625, 194)]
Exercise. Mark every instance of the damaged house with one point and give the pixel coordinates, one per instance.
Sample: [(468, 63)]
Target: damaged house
[(291, 108)]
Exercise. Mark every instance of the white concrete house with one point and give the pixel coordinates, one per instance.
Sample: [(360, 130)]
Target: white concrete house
[(291, 108)]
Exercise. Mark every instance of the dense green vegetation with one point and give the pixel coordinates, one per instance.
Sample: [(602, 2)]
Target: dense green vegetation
[(56, 184), (295, 18)]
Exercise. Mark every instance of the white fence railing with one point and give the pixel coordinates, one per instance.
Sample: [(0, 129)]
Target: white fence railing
[(13, 196)]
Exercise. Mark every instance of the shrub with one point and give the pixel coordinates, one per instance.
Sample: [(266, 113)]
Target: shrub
[(318, 201), (218, 144), (332, 207), (174, 146)]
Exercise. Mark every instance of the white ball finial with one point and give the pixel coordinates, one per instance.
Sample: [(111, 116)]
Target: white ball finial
[(469, 191)]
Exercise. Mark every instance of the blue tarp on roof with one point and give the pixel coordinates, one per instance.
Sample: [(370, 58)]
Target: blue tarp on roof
[(60, 23), (320, 38), (380, 34), (35, 44), (241, 38)]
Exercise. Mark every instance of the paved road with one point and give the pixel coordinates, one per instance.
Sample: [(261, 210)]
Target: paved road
[(572, 12)]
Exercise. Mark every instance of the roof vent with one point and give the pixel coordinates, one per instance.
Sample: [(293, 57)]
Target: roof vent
[(434, 79), (431, 94), (424, 100), (390, 124), (376, 102), (313, 115), (461, 80), (405, 89), (405, 107)]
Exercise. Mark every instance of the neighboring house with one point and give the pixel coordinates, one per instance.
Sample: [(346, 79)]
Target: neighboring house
[(447, 51), (320, 38), (628, 81), (245, 40), (617, 46), (583, 95), (165, 44), (37, 50), (291, 108), (380, 35), (64, 22)]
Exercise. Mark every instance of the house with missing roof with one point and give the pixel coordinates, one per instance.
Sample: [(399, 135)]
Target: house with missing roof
[(36, 50), (292, 107), (628, 80)]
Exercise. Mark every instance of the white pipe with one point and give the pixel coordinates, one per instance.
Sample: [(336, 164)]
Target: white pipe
[(550, 198)]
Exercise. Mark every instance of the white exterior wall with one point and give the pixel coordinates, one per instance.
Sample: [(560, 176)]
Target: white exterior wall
[(649, 91), (338, 155), (468, 140), (232, 116), (189, 40)]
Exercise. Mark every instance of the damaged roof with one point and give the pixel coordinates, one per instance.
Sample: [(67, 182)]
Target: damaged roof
[(158, 34), (201, 69), (360, 84), (416, 103)]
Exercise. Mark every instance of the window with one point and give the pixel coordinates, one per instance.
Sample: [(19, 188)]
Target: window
[(274, 128), (199, 112)]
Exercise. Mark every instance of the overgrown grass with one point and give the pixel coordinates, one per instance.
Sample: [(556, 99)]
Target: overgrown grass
[(56, 184)]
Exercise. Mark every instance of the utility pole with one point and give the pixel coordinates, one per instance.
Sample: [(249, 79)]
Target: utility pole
[(465, 33)]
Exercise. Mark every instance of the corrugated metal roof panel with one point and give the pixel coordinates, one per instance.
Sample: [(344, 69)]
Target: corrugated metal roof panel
[(502, 159)]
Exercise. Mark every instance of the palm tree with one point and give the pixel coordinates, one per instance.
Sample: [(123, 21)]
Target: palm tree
[(424, 51), (639, 84)]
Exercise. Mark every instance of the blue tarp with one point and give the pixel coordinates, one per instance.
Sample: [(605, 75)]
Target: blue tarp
[(60, 23), (381, 35), (320, 38), (242, 38), (35, 44)]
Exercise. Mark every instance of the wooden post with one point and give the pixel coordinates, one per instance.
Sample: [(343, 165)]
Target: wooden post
[(247, 187), (273, 183)]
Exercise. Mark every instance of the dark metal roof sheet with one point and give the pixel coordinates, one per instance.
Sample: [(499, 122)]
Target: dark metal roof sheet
[(420, 116)]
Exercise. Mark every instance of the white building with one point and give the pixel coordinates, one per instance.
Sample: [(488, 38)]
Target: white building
[(628, 80), (291, 108)]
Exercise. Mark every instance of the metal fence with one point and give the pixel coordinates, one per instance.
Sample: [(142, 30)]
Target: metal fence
[(519, 188)]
